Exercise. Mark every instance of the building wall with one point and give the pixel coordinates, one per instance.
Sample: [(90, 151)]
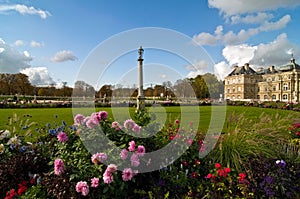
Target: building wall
[(282, 86)]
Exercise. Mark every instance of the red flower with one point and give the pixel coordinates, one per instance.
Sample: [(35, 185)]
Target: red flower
[(185, 163), (241, 177), (227, 170), (32, 181), (194, 175), (218, 165), (197, 162), (21, 190), (171, 137), (209, 176)]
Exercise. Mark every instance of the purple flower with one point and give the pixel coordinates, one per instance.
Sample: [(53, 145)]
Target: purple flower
[(281, 163), (62, 137)]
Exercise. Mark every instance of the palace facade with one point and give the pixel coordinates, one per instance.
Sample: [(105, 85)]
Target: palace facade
[(272, 84)]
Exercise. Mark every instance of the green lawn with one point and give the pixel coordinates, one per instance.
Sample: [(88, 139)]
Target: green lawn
[(48, 115)]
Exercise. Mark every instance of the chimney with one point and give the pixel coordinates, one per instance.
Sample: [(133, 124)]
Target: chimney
[(272, 69), (246, 66)]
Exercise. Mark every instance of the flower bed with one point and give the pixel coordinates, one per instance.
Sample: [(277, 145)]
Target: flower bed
[(73, 162)]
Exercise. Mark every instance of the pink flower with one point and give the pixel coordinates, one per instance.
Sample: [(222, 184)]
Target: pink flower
[(78, 119), (62, 137), (177, 121), (136, 128), (94, 182), (107, 177), (111, 168), (59, 167), (124, 154), (141, 150), (135, 160), (82, 187), (129, 124), (116, 126), (131, 146), (96, 117), (190, 141), (92, 123), (127, 174), (103, 115), (98, 158)]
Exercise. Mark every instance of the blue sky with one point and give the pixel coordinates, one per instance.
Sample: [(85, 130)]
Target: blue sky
[(49, 40)]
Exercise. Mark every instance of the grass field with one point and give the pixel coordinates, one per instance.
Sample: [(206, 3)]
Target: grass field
[(48, 115)]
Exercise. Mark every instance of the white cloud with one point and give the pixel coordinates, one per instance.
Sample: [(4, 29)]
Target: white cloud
[(24, 10), (231, 38), (270, 26), (36, 44), (63, 56), (2, 50), (257, 18), (240, 54), (19, 43), (12, 61), (163, 76), (277, 52), (38, 76), (199, 67), (236, 7), (222, 69)]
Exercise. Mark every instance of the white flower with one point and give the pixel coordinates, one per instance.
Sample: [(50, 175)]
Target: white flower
[(5, 134), (2, 148), (14, 140)]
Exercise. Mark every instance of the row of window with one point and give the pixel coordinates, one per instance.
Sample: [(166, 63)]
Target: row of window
[(285, 87), (274, 97)]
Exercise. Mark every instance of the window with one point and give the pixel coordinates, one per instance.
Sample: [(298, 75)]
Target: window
[(273, 78), (265, 97), (285, 87), (258, 97), (233, 89), (239, 89), (284, 97), (239, 97), (274, 88), (228, 90), (266, 88), (233, 81), (273, 97)]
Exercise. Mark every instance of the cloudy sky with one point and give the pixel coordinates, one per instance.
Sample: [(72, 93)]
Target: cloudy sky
[(49, 40)]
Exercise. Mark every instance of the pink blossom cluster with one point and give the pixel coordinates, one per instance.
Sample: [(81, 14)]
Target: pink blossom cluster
[(78, 119), (108, 174), (91, 121), (98, 158), (116, 126), (128, 174), (62, 137), (131, 125), (139, 151), (82, 187), (59, 166), (94, 182)]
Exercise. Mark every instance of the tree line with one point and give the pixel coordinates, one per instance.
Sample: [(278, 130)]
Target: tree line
[(202, 86)]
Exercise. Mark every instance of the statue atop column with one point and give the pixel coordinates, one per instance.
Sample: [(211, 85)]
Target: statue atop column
[(140, 97)]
